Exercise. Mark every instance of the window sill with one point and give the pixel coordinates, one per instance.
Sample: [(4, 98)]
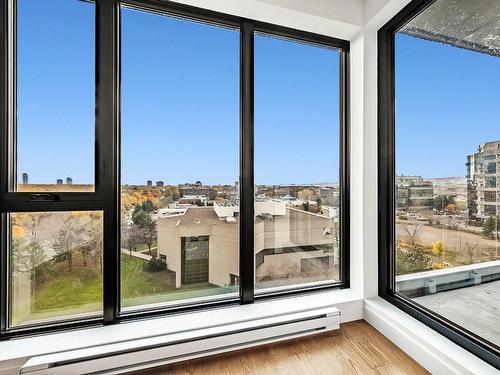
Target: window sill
[(14, 353)]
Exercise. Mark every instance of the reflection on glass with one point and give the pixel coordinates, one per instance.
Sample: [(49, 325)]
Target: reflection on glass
[(296, 164), (55, 95), (447, 153), (180, 156), (55, 266)]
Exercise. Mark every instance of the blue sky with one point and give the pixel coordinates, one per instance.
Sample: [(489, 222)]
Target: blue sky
[(447, 103), (56, 90), (180, 100)]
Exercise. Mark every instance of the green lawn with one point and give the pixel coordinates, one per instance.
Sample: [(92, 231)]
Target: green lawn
[(79, 292), (137, 283)]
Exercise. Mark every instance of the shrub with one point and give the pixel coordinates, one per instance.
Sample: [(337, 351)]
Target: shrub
[(155, 265), (411, 260)]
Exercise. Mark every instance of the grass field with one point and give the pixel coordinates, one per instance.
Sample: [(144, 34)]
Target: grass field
[(78, 293)]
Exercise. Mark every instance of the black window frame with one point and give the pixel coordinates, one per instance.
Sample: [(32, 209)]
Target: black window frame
[(106, 197), (387, 194)]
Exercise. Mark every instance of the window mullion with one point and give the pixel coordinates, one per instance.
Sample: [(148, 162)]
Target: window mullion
[(247, 164), (107, 103)]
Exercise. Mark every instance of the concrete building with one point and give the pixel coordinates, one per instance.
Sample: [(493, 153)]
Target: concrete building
[(159, 183), (69, 181), (413, 193), (25, 178), (193, 200), (483, 183), (200, 244), (149, 183), (59, 181), (196, 189)]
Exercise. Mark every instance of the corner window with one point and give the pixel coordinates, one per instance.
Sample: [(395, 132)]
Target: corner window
[(140, 165), (439, 242)]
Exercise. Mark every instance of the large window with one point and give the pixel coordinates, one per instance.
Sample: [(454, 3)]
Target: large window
[(179, 159), (297, 130), (439, 244), (134, 179)]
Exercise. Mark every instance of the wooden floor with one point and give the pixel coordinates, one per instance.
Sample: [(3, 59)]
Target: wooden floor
[(357, 348)]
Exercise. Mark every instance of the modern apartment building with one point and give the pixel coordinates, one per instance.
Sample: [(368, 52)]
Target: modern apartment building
[(413, 193), (483, 188), (200, 244)]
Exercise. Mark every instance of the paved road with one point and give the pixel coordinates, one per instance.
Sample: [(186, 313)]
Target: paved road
[(136, 254)]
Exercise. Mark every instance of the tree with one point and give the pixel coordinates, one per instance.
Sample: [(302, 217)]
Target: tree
[(471, 249), (489, 227), (411, 260), (307, 194), (148, 206), (442, 201), (67, 239), (453, 223), (140, 217), (38, 262), (31, 222), (412, 231), (131, 236), (305, 205), (149, 233), (438, 249), (94, 245), (318, 202)]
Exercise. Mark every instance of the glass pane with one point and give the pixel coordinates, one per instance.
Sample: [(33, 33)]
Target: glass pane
[(180, 160), (296, 164), (55, 266), (55, 95), (447, 152)]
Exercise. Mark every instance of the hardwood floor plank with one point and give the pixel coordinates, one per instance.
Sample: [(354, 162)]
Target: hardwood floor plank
[(357, 349)]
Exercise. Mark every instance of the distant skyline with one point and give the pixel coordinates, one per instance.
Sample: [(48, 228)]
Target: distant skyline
[(187, 133), (437, 128)]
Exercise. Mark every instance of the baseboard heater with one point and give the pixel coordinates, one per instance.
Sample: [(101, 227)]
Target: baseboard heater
[(138, 354)]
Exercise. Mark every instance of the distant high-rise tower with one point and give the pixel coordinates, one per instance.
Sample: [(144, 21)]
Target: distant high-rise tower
[(59, 181), (482, 183), (69, 181), (149, 183), (25, 178), (159, 183)]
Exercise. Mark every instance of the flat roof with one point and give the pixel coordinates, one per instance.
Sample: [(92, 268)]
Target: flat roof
[(476, 308)]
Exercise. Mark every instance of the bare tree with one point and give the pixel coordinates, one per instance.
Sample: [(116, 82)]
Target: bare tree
[(453, 223), (95, 243), (131, 237), (67, 239), (412, 231), (471, 249)]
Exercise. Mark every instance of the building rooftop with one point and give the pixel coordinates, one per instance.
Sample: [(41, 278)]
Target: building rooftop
[(476, 308)]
